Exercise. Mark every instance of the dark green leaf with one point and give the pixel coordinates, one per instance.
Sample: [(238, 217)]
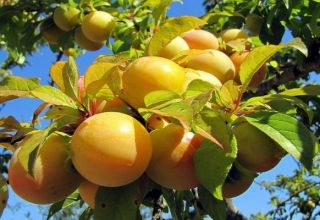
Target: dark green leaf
[(215, 208), (289, 133)]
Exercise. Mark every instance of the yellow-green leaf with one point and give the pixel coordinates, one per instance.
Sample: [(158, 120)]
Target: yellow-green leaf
[(56, 72), (258, 56), (53, 96), (171, 29), (4, 194), (312, 90), (13, 87)]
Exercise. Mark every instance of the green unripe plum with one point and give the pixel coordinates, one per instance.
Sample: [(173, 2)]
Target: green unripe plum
[(111, 149), (85, 43), (175, 46), (172, 165), (201, 39), (97, 26), (148, 74), (66, 17), (214, 62), (256, 151), (53, 179)]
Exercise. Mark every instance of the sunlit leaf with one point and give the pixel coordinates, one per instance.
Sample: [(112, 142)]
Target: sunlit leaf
[(53, 96), (13, 87), (172, 28)]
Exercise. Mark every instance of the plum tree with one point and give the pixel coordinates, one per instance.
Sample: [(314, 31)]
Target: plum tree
[(88, 192), (201, 39), (256, 151), (148, 74), (84, 42), (53, 178), (214, 62), (237, 59), (66, 17), (97, 26), (120, 149), (175, 46), (172, 165)]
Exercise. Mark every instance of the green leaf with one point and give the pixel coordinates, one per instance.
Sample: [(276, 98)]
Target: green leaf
[(70, 77), (171, 29), (160, 98), (197, 87), (310, 90), (53, 96), (29, 148), (281, 97), (213, 158), (214, 207), (97, 79), (227, 97), (259, 55), (86, 214), (212, 165), (56, 112), (160, 7), (4, 194), (67, 202), (13, 87), (288, 132), (117, 203)]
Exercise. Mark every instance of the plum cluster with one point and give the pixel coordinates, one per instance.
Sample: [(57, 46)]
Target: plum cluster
[(91, 31), (111, 148)]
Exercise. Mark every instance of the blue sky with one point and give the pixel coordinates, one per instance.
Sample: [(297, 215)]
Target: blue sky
[(254, 200)]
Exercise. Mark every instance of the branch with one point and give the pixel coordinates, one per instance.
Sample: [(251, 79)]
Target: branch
[(292, 72), (232, 211), (157, 206)]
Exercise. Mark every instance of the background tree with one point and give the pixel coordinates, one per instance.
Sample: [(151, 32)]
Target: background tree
[(138, 21)]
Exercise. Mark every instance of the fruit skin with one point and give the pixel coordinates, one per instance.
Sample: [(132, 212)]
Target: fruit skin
[(214, 62), (256, 151), (85, 43), (51, 33), (234, 189), (97, 25), (233, 34), (171, 165), (201, 39), (88, 191), (53, 180), (156, 121), (204, 76), (175, 46), (111, 149), (238, 181), (148, 74), (258, 77), (66, 17)]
